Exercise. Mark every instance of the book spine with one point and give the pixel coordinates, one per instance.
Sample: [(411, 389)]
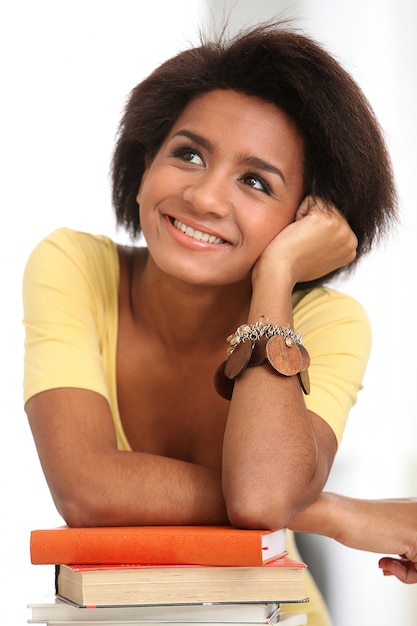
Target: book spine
[(57, 568)]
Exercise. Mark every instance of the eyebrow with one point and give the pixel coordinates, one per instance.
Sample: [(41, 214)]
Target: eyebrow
[(261, 164), (249, 160), (202, 141)]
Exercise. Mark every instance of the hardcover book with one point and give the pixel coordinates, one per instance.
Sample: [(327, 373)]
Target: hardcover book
[(285, 618), (299, 619), (281, 580), (52, 608), (165, 545)]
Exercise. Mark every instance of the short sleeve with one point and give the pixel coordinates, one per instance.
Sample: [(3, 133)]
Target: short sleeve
[(336, 331), (69, 288)]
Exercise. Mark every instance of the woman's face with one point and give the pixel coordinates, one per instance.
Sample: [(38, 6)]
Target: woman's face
[(227, 179)]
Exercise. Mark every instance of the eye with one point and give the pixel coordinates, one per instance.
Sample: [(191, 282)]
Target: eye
[(256, 182), (188, 154)]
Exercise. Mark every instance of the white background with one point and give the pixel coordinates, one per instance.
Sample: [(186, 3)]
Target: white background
[(66, 69)]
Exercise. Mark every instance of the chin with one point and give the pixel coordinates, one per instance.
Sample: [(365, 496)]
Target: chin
[(194, 275)]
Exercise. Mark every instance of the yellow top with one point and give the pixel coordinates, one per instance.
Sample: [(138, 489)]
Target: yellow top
[(70, 293)]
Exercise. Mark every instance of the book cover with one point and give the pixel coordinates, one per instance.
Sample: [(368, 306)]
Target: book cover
[(285, 618), (52, 608), (205, 545), (281, 580), (299, 619)]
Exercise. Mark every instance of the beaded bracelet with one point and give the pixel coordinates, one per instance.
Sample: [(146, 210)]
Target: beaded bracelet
[(262, 328), (255, 344)]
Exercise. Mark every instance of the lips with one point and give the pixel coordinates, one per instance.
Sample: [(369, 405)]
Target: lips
[(197, 234)]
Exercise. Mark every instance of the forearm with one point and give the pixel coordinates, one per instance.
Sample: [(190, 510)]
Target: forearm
[(94, 483), (270, 455), (383, 526), (323, 517), (132, 488), (276, 454), (273, 466)]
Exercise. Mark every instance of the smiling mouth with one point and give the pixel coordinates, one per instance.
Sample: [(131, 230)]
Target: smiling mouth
[(197, 234)]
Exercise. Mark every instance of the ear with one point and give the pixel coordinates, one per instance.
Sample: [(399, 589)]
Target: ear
[(144, 175)]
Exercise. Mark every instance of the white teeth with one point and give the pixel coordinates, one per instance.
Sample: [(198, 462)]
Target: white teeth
[(196, 234)]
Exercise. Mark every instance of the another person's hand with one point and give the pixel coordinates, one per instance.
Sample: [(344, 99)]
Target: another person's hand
[(386, 526), (404, 569)]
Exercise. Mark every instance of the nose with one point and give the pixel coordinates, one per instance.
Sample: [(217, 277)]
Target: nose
[(210, 193)]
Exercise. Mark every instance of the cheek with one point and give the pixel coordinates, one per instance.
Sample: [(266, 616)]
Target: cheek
[(145, 200), (262, 229), (142, 196), (142, 184), (144, 203), (157, 183)]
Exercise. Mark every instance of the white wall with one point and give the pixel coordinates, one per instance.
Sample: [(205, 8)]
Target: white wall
[(67, 67), (66, 70), (375, 40)]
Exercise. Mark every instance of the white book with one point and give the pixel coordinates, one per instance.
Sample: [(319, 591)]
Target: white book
[(54, 610), (287, 619)]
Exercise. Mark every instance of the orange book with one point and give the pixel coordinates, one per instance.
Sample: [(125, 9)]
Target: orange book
[(163, 545)]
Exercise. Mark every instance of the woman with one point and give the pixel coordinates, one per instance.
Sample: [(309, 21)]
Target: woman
[(231, 159)]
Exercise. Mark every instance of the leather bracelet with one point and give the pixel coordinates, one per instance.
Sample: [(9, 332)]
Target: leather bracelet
[(260, 343)]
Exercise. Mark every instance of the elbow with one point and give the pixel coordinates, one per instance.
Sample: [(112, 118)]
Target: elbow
[(76, 516), (256, 519), (256, 513), (78, 513), (261, 501), (270, 507)]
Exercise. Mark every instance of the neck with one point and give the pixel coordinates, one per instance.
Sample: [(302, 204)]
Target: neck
[(185, 316)]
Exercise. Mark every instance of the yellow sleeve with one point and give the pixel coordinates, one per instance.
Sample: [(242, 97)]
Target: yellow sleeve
[(336, 331), (69, 299)]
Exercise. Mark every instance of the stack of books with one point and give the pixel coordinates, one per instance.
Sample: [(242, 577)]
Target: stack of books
[(160, 575)]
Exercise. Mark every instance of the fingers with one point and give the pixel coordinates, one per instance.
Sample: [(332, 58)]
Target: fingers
[(303, 208), (403, 569), (332, 225), (311, 203)]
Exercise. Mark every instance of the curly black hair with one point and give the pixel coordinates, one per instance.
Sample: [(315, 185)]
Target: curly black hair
[(346, 159)]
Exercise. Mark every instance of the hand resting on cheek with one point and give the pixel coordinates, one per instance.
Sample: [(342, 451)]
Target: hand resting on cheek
[(317, 242)]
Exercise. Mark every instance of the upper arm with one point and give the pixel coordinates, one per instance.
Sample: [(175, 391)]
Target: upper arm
[(73, 430), (70, 308), (70, 315)]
